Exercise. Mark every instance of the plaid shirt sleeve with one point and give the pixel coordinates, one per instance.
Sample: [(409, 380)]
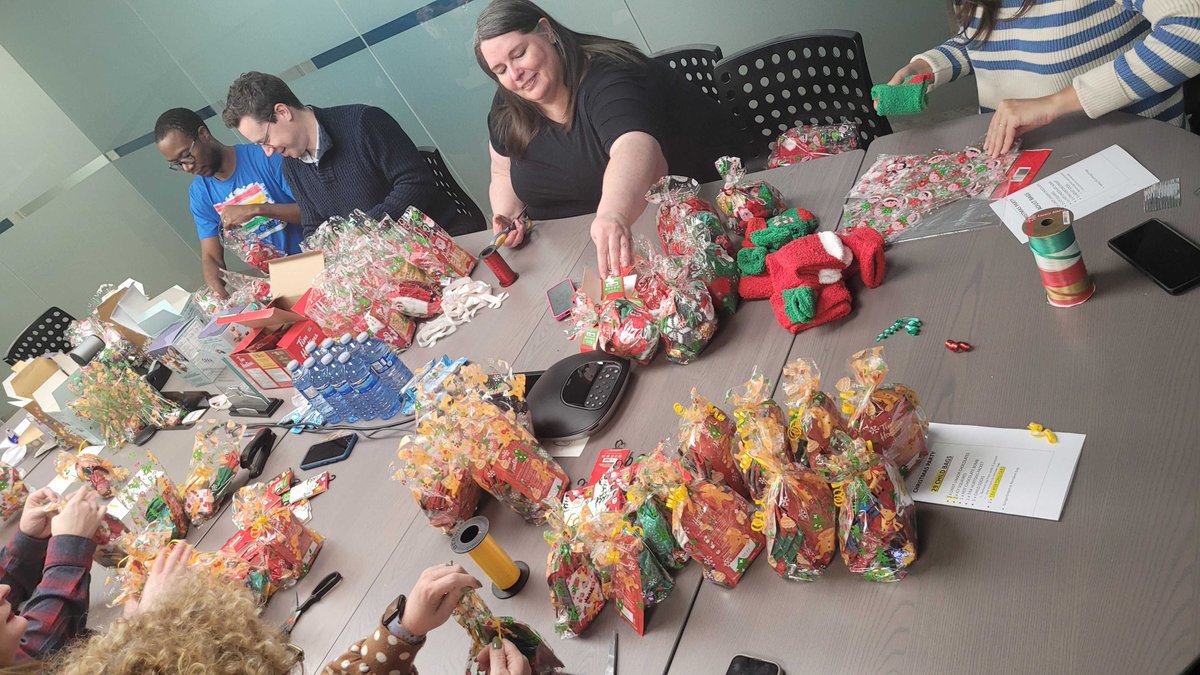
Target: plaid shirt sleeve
[(21, 564), (57, 610)]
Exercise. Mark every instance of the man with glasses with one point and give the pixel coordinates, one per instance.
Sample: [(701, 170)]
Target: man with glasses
[(223, 172), (337, 159)]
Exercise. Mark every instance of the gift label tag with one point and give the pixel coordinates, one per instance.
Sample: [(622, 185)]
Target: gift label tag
[(308, 488)]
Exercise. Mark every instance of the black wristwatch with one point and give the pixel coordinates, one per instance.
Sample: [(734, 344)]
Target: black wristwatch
[(391, 621)]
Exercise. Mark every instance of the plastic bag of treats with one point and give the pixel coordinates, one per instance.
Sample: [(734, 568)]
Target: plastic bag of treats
[(889, 415), (437, 473), (104, 476), (813, 141), (707, 437), (508, 462), (626, 327), (576, 587), (677, 198), (740, 200), (687, 318), (634, 578), (760, 421), (12, 491), (712, 262), (813, 415), (152, 496), (482, 627), (216, 456), (877, 529)]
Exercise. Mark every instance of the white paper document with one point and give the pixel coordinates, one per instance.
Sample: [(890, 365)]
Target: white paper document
[(1001, 470), (1084, 187), (566, 448)]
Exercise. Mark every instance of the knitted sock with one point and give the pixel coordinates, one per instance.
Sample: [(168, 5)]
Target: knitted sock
[(867, 245), (800, 304), (832, 303), (756, 287), (752, 261), (902, 99), (821, 257)]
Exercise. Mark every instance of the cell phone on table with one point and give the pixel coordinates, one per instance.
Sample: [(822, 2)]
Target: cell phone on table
[(561, 296), (328, 452), (1161, 253), (748, 665)]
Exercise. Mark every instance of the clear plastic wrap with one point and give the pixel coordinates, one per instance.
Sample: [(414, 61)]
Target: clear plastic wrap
[(576, 586), (12, 491), (677, 198), (813, 415), (216, 454), (888, 415), (740, 200), (438, 475), (482, 626), (706, 441), (633, 577), (761, 424), (813, 141)]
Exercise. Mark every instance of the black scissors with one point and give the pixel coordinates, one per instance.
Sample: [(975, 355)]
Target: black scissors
[(323, 588)]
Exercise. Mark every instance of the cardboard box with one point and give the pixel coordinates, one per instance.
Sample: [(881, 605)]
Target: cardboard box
[(179, 348), (40, 386), (105, 309), (280, 330), (151, 316)]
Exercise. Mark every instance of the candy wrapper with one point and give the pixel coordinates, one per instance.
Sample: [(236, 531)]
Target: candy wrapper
[(898, 191), (796, 514), (712, 262), (682, 306), (877, 529), (216, 456), (740, 200), (431, 248), (271, 537), (439, 477), (813, 141), (762, 426), (93, 469), (655, 531), (119, 401), (626, 327), (258, 226), (706, 441), (677, 198), (576, 588), (813, 415), (509, 463), (633, 577), (501, 387), (12, 491), (710, 521), (887, 415), (250, 248), (482, 626), (152, 496)]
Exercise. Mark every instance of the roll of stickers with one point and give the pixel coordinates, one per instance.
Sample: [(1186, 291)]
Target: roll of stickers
[(1052, 240)]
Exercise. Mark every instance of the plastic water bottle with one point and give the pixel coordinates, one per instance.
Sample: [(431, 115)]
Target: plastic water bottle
[(371, 392), (302, 381), (320, 380), (386, 365), (337, 380)]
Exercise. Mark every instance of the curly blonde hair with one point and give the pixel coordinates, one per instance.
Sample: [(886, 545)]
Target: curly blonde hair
[(208, 626)]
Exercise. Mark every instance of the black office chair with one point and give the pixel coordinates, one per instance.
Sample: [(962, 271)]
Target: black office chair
[(1191, 105), (695, 63), (471, 219), (818, 77), (47, 334)]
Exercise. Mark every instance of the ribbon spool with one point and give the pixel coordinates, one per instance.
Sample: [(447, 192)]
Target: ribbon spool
[(1052, 240), (472, 537), (499, 266)]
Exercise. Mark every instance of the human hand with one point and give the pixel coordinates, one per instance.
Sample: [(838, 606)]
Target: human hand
[(915, 67), (165, 574), (503, 658), (434, 597), (1015, 116), (35, 520), (614, 245), (514, 238), (236, 214), (81, 516)]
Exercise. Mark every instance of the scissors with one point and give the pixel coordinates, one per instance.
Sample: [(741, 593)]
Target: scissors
[(503, 234), (611, 669), (323, 588)]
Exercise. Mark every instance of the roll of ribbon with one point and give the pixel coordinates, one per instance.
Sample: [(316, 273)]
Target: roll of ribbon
[(499, 266), (473, 538), (1052, 240)]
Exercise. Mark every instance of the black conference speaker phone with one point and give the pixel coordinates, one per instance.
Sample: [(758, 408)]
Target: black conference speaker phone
[(576, 396)]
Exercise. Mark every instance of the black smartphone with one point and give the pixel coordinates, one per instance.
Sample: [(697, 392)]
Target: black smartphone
[(328, 452), (1161, 253), (748, 665)]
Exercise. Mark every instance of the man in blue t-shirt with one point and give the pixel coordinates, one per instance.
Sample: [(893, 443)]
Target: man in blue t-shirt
[(223, 172)]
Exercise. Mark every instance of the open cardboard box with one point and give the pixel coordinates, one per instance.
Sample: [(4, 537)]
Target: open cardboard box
[(40, 386), (151, 316), (105, 311), (280, 330)]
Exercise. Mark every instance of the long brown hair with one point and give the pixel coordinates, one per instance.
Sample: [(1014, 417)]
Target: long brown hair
[(516, 120), (987, 18)]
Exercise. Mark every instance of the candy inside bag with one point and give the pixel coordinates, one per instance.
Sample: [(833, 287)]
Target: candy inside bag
[(888, 415), (12, 491), (152, 496), (683, 308), (706, 440), (877, 530), (627, 329), (633, 577), (677, 198), (655, 532), (712, 262), (482, 626), (761, 424), (813, 141), (576, 586), (438, 475), (813, 415), (104, 476), (216, 456), (741, 200), (251, 249)]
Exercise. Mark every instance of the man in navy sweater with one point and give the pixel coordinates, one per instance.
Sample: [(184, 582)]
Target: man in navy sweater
[(336, 159)]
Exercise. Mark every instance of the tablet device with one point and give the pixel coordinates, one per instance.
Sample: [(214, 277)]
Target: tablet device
[(1161, 253)]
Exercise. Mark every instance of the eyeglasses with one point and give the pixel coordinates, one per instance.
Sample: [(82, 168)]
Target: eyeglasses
[(187, 158), (266, 141)]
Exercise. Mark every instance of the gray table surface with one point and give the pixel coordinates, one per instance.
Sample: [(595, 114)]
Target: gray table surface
[(1114, 587)]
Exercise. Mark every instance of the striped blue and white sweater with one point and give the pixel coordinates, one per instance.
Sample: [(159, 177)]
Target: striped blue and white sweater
[(1129, 55)]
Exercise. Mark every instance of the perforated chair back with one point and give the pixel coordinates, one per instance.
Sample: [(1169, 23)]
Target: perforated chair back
[(47, 334), (471, 218), (818, 77), (695, 63)]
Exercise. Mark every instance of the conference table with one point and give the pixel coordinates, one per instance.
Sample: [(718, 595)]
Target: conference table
[(1114, 586)]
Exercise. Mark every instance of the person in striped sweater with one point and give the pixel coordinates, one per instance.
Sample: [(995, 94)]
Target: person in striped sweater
[(1036, 60)]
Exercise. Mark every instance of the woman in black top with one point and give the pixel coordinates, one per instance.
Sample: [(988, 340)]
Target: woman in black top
[(582, 124)]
